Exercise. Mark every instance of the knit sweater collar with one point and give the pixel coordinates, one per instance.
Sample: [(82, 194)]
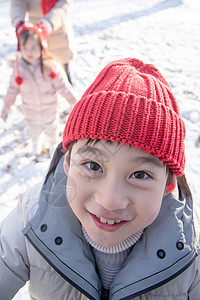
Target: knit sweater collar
[(129, 242)]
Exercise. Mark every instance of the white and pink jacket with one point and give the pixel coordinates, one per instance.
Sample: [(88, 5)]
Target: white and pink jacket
[(39, 92)]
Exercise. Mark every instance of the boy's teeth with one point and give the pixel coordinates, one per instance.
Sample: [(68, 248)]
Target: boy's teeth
[(103, 220), (110, 222)]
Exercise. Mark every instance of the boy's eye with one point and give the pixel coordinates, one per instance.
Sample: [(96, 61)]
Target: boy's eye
[(140, 175), (93, 166)]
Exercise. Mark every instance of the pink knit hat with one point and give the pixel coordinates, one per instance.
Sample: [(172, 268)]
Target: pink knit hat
[(130, 102)]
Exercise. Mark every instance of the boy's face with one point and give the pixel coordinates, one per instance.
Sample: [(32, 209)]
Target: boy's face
[(113, 189), (31, 50)]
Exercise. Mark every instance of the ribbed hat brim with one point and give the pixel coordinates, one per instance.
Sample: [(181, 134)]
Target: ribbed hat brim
[(132, 120)]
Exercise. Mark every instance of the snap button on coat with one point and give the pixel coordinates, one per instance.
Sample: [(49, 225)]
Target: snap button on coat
[(43, 227), (161, 253), (179, 245), (58, 240)]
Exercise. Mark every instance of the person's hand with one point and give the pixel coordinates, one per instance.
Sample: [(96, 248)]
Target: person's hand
[(46, 29), (5, 111), (18, 24)]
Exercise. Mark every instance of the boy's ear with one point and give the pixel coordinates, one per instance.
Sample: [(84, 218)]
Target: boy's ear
[(66, 163), (170, 185)]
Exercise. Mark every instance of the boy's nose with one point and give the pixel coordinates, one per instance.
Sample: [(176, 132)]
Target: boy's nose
[(112, 197)]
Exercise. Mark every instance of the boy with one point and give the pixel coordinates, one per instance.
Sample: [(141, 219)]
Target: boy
[(114, 217)]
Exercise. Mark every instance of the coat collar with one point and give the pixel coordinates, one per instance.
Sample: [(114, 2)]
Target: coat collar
[(165, 250)]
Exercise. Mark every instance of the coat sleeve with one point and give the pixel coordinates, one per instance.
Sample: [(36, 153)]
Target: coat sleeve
[(58, 13), (194, 291), (14, 264), (18, 9), (13, 90), (62, 85)]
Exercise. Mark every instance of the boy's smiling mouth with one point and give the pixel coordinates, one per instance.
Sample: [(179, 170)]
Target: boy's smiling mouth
[(108, 221), (106, 224)]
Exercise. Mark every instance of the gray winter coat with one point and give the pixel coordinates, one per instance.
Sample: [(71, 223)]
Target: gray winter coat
[(53, 254)]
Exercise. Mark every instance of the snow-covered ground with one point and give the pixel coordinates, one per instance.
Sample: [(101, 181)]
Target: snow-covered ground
[(165, 33)]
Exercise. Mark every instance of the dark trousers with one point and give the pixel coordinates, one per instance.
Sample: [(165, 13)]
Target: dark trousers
[(67, 71)]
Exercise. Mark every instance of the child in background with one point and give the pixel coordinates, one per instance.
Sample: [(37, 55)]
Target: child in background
[(53, 17), (114, 218), (38, 79)]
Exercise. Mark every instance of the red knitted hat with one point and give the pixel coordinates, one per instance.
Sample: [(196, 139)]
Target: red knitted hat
[(130, 102)]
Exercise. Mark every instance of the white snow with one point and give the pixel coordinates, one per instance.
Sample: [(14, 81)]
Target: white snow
[(165, 33)]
